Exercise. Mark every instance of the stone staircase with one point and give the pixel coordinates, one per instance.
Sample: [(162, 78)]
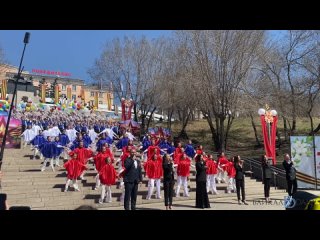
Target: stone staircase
[(26, 185)]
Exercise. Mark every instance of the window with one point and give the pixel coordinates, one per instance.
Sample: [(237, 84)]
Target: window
[(74, 97), (74, 88), (100, 95), (100, 102), (92, 94), (63, 87)]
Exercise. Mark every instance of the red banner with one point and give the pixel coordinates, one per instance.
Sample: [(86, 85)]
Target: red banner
[(269, 137), (126, 107)]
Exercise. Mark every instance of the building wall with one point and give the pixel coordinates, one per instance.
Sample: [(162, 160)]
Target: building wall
[(89, 94), (81, 92)]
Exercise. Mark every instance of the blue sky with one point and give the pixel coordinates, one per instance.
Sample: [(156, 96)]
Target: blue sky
[(70, 51), (63, 50)]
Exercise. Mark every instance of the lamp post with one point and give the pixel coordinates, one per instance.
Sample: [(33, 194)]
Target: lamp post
[(26, 41)]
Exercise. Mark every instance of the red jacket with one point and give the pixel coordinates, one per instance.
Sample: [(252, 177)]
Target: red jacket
[(222, 162), (100, 160), (212, 167), (153, 168), (107, 175), (231, 170), (74, 168), (183, 169), (83, 154), (150, 151)]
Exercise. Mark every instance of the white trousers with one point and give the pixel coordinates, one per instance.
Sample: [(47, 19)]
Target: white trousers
[(151, 183), (75, 184), (184, 182), (36, 152), (45, 164), (231, 185), (106, 193), (221, 177), (211, 183), (98, 183)]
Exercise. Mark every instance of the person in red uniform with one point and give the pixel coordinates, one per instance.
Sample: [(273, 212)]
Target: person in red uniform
[(183, 172), (222, 166), (150, 150), (107, 176), (231, 171), (177, 151), (100, 161), (199, 150), (212, 171), (177, 156), (153, 168), (74, 169), (83, 155)]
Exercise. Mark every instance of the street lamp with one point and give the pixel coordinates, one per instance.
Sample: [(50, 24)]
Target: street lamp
[(25, 41)]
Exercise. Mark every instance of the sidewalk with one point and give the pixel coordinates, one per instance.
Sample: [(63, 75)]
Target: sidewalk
[(229, 203)]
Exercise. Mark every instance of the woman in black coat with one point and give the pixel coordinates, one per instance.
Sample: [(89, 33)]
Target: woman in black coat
[(168, 180), (202, 200), (238, 165), (267, 173)]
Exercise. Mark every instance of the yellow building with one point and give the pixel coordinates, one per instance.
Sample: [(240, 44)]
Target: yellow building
[(94, 96), (70, 89)]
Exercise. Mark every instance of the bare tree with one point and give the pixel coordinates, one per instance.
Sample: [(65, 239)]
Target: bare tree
[(133, 67), (221, 62), (283, 67)]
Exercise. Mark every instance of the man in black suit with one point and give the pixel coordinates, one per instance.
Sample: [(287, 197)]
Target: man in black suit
[(132, 178), (290, 175)]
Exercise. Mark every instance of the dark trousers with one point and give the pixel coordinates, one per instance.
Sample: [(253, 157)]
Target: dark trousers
[(131, 190), (202, 200), (168, 192), (292, 187), (266, 183), (240, 185)]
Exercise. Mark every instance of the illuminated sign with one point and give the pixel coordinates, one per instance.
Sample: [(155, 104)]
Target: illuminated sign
[(48, 72)]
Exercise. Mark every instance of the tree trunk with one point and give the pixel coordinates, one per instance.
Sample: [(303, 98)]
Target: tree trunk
[(230, 120), (222, 133), (285, 129), (255, 130), (183, 134), (311, 121), (215, 138), (169, 118), (279, 139), (135, 112), (316, 130), (149, 120), (294, 123), (143, 123)]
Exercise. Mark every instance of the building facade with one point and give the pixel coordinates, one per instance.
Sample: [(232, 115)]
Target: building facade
[(53, 89)]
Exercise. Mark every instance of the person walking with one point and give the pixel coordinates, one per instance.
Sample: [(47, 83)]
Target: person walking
[(202, 200), (168, 180), (132, 178)]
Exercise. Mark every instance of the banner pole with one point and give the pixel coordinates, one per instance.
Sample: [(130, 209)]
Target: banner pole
[(315, 161)]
